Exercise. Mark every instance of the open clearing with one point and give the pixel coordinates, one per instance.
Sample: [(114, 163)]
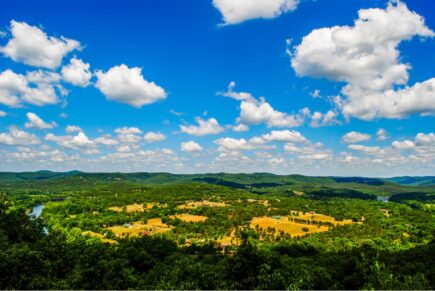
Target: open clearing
[(312, 216), (138, 228), (197, 204), (100, 236), (283, 224), (230, 240), (189, 217), (136, 207)]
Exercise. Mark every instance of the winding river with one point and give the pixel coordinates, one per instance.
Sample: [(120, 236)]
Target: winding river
[(36, 213)]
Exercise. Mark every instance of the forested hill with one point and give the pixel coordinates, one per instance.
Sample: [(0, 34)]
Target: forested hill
[(260, 183)]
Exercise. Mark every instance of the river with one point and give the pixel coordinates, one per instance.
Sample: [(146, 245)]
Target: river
[(383, 198), (36, 213)]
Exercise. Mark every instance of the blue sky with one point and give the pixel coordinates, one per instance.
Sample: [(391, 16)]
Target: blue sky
[(312, 87)]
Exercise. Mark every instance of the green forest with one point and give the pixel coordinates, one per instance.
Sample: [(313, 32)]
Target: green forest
[(81, 230)]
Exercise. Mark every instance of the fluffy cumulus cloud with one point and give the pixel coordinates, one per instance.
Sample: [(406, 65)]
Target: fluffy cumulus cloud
[(237, 11), (37, 88), (319, 119), (32, 46), (73, 142), (253, 111), (259, 142), (381, 134), (403, 145), (128, 135), (190, 146), (425, 139), (366, 57), (354, 136), (284, 136), (77, 73), (73, 128), (154, 136), (34, 121), (204, 127), (17, 137), (3, 114), (127, 85)]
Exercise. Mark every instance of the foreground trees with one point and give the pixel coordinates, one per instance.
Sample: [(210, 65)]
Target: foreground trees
[(31, 260)]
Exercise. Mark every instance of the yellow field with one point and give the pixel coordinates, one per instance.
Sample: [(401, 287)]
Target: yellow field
[(319, 217), (137, 228), (262, 202), (230, 240), (283, 224), (189, 217), (196, 204), (100, 236), (137, 207), (386, 212)]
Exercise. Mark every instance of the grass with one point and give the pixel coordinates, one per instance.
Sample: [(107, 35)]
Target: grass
[(100, 236), (312, 216), (288, 227), (197, 204), (189, 217), (139, 228), (136, 207)]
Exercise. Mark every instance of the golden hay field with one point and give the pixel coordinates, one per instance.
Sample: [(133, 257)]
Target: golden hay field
[(283, 224), (100, 236), (196, 204), (230, 240), (137, 207), (137, 228), (319, 217), (189, 217)]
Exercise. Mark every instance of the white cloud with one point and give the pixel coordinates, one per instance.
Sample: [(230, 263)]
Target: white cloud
[(236, 95), (309, 151), (154, 136), (257, 112), (403, 145), (355, 136), (18, 137), (3, 114), (365, 149), (127, 85), (240, 127), (284, 136), (34, 121), (128, 134), (425, 139), (237, 11), (253, 111), (319, 119), (381, 134), (15, 88), (79, 141), (128, 130), (12, 86), (73, 128), (106, 140), (32, 46), (232, 144), (40, 76), (365, 56), (205, 127), (77, 73), (190, 146)]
